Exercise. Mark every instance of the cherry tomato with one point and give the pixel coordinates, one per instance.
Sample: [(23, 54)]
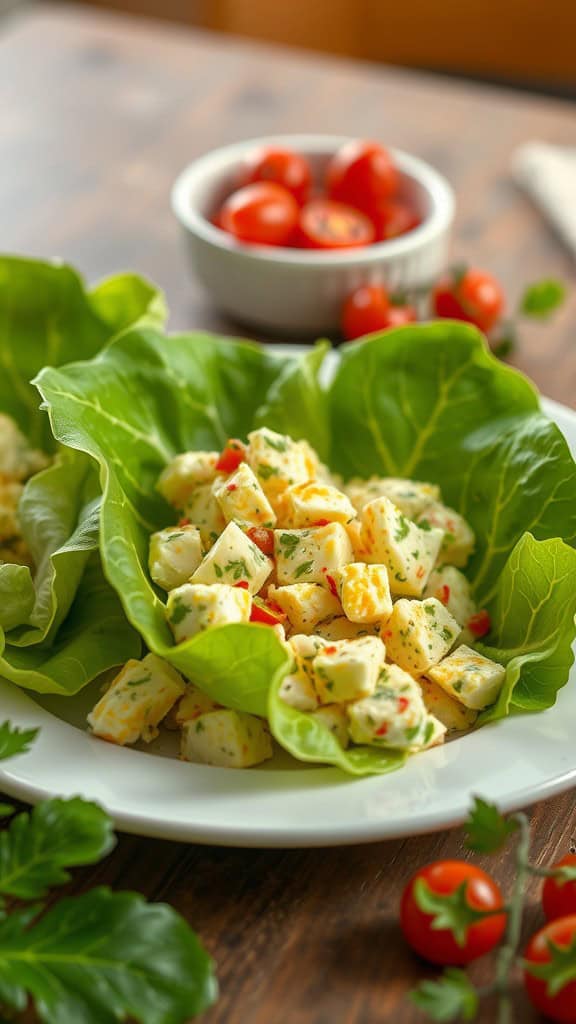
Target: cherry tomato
[(283, 167), (263, 213), (325, 224), (394, 218), (266, 614), (400, 315), (263, 539), (480, 624), (362, 174), (559, 899), (231, 456), (364, 311), (562, 1006), (474, 296), (440, 946)]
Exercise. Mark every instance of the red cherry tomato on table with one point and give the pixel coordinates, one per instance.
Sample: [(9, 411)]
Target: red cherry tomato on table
[(559, 898), (561, 1006), (263, 213), (394, 218), (439, 945), (368, 309), (325, 224), (364, 311), (474, 296), (281, 166), (361, 173), (231, 456)]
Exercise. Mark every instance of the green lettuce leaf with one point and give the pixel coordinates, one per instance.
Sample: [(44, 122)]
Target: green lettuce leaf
[(427, 401), (104, 957), (533, 625), (93, 638), (48, 316)]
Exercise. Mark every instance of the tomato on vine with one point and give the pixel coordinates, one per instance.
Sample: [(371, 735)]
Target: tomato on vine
[(450, 912), (550, 970), (559, 894)]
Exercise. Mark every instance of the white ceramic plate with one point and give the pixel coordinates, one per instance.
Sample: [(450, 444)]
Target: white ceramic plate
[(282, 804)]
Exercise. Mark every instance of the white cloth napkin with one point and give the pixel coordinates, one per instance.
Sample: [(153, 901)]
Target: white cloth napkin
[(548, 173)]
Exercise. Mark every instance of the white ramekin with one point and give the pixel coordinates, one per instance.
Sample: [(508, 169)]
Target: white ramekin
[(301, 291)]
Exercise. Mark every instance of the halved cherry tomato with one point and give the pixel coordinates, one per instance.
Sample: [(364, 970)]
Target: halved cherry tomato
[(231, 456), (562, 1006), (267, 614), (325, 224), (480, 624), (439, 946), (393, 218), (282, 166), (263, 539), (474, 296), (398, 316), (365, 311), (361, 173), (559, 898), (263, 213)]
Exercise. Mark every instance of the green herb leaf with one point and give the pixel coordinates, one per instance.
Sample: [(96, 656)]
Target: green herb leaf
[(450, 911), (57, 834), (452, 997), (486, 829), (303, 569), (542, 298), (559, 971), (104, 957), (14, 741)]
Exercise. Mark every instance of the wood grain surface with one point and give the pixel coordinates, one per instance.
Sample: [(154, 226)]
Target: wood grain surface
[(98, 114)]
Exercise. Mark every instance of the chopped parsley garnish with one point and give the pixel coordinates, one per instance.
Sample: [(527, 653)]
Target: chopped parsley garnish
[(412, 733), (424, 524), (279, 446), (403, 528), (218, 570), (401, 579), (265, 471), (303, 569), (429, 732), (239, 569), (179, 611), (447, 634), (141, 679), (289, 542), (174, 536)]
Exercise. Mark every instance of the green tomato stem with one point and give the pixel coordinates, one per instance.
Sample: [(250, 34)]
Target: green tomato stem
[(509, 951)]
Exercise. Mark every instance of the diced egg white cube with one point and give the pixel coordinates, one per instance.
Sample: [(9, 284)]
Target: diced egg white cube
[(175, 553), (348, 669), (458, 537), (312, 555), (242, 499), (297, 690), (178, 480), (233, 559), (419, 633), (277, 461), (333, 718), (408, 552), (364, 592), (226, 739), (191, 705), (138, 699), (410, 496), (202, 510), (305, 604), (434, 734), (451, 587), (195, 607), (450, 712), (394, 715), (312, 502), (469, 677), (356, 536)]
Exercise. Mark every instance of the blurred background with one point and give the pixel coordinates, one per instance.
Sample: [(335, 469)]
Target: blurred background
[(525, 43)]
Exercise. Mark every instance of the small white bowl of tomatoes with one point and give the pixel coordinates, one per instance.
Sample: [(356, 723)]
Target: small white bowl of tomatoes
[(281, 230)]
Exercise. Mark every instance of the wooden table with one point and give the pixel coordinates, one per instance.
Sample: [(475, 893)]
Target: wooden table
[(98, 114)]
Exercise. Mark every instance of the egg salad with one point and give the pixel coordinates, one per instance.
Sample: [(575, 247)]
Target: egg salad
[(18, 462), (362, 582)]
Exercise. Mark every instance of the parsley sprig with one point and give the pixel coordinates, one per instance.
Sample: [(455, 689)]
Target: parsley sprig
[(101, 957), (453, 997)]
